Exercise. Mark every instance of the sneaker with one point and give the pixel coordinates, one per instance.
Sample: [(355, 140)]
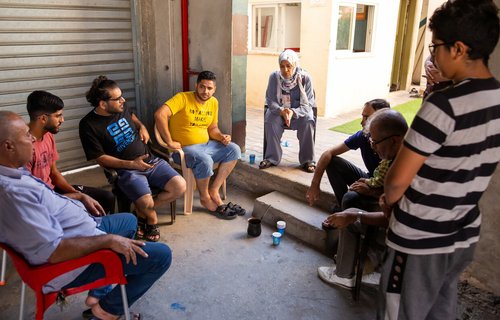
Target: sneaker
[(371, 278), (328, 275)]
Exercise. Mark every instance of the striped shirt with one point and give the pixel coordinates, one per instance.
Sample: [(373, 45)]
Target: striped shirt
[(458, 130)]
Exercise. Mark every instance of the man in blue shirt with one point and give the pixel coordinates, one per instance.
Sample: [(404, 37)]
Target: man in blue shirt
[(44, 226), (342, 173)]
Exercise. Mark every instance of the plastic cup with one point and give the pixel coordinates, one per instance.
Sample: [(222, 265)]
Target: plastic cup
[(276, 238), (254, 228), (281, 225), (252, 158)]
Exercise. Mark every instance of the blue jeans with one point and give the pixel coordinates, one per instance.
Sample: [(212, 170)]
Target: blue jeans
[(201, 157), (140, 277)]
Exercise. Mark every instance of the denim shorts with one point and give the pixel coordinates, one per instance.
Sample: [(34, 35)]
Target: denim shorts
[(201, 157), (136, 183)]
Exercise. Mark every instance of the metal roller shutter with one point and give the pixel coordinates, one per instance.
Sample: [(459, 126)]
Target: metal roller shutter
[(61, 46)]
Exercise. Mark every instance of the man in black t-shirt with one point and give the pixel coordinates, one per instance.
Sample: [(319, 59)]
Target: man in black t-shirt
[(115, 138)]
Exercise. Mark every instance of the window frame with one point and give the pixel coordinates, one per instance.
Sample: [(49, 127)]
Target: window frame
[(371, 10), (277, 44)]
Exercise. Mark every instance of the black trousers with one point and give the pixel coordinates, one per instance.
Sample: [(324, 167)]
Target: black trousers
[(105, 198)]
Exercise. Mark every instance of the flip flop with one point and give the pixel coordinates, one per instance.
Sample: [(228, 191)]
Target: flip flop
[(236, 208), (224, 212)]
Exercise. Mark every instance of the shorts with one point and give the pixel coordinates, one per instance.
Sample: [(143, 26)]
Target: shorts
[(136, 183)]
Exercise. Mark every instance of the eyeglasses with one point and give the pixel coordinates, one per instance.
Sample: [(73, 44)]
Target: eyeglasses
[(374, 143), (433, 46), (116, 99)]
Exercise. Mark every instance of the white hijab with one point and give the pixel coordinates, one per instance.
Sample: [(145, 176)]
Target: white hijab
[(288, 84)]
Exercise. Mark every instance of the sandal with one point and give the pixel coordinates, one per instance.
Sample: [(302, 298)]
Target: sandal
[(151, 233), (309, 166), (224, 212), (264, 164), (141, 227), (236, 208)]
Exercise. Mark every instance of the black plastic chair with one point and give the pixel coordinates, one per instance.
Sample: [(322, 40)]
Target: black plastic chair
[(366, 238)]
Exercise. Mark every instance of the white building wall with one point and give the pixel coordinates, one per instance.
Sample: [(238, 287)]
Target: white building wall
[(354, 78)]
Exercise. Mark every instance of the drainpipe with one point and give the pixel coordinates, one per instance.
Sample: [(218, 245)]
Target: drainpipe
[(185, 47)]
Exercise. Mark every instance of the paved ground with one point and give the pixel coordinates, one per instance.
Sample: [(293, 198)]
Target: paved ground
[(220, 273)]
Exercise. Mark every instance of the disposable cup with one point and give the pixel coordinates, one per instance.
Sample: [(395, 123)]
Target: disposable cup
[(276, 238), (281, 225)]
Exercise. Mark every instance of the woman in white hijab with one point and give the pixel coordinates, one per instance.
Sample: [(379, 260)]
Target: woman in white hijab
[(290, 102)]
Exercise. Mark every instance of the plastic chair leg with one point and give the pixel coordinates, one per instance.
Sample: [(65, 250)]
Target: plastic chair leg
[(125, 302), (189, 194), (21, 306), (4, 265)]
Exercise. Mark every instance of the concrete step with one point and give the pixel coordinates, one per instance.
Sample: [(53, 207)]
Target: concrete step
[(302, 221), (287, 180)]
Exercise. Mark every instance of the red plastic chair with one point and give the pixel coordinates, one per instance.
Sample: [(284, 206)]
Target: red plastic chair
[(37, 276)]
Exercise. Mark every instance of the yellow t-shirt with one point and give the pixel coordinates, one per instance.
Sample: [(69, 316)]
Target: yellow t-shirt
[(190, 120)]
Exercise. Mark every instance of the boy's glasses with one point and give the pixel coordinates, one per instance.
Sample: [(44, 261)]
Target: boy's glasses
[(433, 46)]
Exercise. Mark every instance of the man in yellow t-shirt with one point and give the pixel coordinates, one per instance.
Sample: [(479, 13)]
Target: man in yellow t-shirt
[(189, 121)]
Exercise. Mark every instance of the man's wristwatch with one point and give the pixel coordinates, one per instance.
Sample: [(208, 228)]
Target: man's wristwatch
[(358, 218)]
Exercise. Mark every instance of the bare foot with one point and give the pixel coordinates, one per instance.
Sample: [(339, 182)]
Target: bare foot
[(215, 196), (98, 312), (91, 301), (209, 204)]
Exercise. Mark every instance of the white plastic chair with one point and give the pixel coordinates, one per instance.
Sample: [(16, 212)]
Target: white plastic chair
[(4, 262), (187, 173)]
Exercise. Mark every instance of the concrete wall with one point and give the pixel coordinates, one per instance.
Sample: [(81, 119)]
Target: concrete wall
[(159, 51), (239, 71), (487, 259)]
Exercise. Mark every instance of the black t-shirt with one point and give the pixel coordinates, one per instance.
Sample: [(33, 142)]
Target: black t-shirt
[(114, 135)]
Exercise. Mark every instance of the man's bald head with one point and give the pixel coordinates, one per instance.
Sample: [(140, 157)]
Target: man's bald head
[(16, 142)]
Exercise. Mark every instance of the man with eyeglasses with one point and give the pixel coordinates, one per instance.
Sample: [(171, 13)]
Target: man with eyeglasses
[(113, 136), (449, 154), (386, 129), (342, 173), (46, 116)]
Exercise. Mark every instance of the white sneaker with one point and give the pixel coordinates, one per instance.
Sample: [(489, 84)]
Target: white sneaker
[(328, 275), (371, 278)]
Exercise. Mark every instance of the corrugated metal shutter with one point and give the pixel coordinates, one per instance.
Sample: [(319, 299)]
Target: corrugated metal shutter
[(61, 46)]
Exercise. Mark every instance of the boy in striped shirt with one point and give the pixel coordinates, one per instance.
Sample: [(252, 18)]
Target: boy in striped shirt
[(434, 185)]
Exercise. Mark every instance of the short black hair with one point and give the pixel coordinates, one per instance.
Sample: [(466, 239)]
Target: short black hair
[(378, 104), (206, 75), (99, 91), (473, 22), (42, 102)]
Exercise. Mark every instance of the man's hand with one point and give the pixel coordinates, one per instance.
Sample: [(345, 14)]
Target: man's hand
[(360, 187), (92, 206), (226, 138), (432, 73), (144, 134), (174, 145), (139, 164), (287, 114), (312, 195), (128, 247), (341, 219)]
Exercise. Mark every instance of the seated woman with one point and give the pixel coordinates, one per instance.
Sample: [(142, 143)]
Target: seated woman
[(290, 101)]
